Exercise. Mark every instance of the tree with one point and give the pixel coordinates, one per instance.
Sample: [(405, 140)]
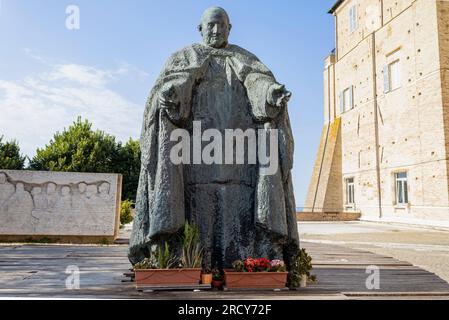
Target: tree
[(78, 149), (128, 164), (81, 149), (10, 157)]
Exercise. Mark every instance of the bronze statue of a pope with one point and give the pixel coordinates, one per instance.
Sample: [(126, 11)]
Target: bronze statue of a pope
[(240, 209)]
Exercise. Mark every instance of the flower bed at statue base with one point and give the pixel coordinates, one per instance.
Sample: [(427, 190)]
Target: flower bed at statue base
[(164, 269), (255, 280), (256, 274), (167, 277)]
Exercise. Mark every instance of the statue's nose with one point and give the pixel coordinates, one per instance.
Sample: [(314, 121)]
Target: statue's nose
[(215, 28)]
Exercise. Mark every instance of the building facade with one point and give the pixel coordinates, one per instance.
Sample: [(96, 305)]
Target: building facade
[(384, 149)]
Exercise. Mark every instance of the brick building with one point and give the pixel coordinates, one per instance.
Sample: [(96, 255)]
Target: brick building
[(384, 148)]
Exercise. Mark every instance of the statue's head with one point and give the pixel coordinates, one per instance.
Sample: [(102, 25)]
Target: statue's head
[(215, 27), (104, 188), (65, 190), (51, 188), (82, 187)]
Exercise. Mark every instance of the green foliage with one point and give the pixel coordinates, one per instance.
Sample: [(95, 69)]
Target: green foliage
[(10, 157), (160, 258), (126, 207), (147, 263), (302, 265), (81, 149), (217, 275), (104, 242), (192, 252), (238, 266), (128, 164), (165, 259), (77, 149), (42, 240)]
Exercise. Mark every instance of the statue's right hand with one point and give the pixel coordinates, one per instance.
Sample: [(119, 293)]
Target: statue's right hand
[(168, 98)]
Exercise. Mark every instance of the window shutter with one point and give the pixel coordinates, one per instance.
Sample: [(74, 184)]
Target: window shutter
[(351, 97), (351, 23), (386, 79), (342, 102)]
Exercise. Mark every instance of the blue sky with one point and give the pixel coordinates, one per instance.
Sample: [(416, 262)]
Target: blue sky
[(104, 70)]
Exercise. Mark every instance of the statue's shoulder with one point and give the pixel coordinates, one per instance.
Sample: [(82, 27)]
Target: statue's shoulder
[(182, 57), (186, 50), (239, 50)]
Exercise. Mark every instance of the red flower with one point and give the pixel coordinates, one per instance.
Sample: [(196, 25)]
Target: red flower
[(257, 265)]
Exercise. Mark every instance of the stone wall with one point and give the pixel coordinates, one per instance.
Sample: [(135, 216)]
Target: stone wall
[(75, 207), (328, 216)]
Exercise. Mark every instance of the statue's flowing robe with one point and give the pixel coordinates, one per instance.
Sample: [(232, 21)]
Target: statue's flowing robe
[(164, 188)]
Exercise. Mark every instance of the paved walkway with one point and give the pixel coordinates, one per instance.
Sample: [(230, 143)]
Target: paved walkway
[(39, 271), (427, 248)]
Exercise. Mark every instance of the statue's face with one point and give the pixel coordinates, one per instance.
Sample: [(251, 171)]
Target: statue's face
[(104, 188), (65, 191), (215, 28), (51, 188), (82, 187)]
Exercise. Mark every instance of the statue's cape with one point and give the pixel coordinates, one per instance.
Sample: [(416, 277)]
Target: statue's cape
[(160, 204)]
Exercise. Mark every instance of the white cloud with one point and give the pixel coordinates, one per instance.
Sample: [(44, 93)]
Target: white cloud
[(33, 109)]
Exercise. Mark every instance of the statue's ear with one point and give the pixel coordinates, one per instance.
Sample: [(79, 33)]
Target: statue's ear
[(230, 27), (200, 28)]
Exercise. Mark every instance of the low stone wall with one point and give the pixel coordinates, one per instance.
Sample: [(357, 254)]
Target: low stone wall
[(328, 216), (59, 206)]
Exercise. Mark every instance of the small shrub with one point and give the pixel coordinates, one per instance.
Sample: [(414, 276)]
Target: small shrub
[(104, 242), (302, 265), (217, 275), (126, 208)]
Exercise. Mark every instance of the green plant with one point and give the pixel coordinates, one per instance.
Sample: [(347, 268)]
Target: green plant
[(160, 258), (217, 275), (165, 259), (192, 252), (301, 266), (128, 164), (80, 148), (10, 157), (147, 263), (104, 242), (42, 240), (126, 208), (238, 266)]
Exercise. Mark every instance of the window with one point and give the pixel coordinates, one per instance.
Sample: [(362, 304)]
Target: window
[(392, 72), (395, 75), (350, 191), (401, 188), (347, 99), (353, 24)]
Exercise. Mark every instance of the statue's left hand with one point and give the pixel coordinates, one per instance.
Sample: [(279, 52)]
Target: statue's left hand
[(278, 96), (168, 98)]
